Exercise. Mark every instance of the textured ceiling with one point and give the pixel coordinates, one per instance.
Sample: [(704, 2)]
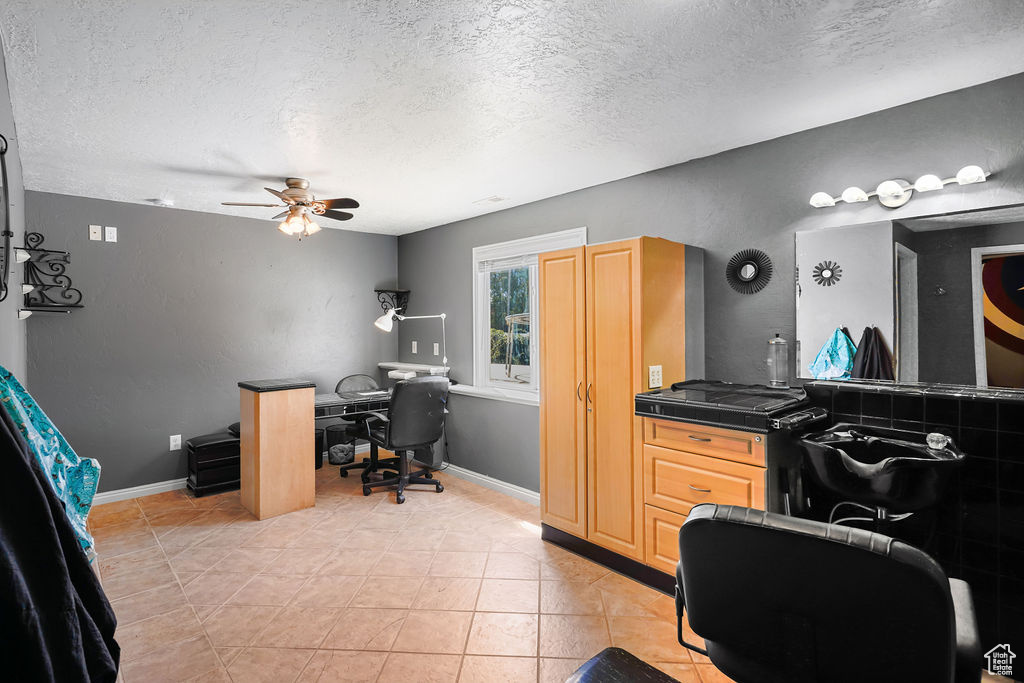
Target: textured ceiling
[(419, 109)]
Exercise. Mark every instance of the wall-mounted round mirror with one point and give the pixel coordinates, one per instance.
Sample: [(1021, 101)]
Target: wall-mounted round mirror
[(749, 271)]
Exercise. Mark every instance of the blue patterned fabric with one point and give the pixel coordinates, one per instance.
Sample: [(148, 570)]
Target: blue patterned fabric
[(73, 479), (835, 360)]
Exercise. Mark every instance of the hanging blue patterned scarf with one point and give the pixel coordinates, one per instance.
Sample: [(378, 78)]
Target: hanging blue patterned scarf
[(73, 478)]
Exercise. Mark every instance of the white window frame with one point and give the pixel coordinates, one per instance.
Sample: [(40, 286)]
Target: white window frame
[(522, 251)]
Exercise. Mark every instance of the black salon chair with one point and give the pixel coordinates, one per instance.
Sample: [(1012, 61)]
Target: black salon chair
[(352, 429), (414, 421), (787, 600)]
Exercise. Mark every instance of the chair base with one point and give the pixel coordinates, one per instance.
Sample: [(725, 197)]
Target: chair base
[(404, 478)]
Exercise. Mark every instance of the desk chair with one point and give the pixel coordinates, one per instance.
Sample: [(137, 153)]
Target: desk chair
[(352, 429), (781, 599), (414, 421)]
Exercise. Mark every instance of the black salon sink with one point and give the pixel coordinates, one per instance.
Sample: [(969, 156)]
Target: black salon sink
[(885, 468)]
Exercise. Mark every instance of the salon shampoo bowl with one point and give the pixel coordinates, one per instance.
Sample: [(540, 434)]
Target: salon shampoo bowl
[(886, 468)]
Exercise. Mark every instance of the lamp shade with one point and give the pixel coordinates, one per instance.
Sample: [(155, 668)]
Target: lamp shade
[(852, 195), (929, 183), (820, 200), (386, 322), (889, 188), (968, 175)]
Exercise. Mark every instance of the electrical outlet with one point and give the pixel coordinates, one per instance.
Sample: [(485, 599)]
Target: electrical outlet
[(653, 376), (437, 349), (96, 233), (175, 442), (415, 347), (111, 233)]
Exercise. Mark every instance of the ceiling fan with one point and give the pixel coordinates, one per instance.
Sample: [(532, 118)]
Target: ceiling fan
[(299, 203)]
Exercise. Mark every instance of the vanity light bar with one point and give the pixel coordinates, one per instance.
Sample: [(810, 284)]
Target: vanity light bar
[(897, 192)]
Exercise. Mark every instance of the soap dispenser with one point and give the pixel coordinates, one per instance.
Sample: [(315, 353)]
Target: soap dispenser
[(778, 363)]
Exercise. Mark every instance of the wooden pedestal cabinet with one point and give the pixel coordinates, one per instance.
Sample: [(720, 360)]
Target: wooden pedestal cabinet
[(607, 313)]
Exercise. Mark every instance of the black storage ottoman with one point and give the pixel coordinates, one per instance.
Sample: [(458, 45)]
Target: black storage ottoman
[(214, 462)]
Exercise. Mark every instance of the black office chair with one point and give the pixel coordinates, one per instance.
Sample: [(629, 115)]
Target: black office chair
[(782, 599), (414, 421), (352, 429)]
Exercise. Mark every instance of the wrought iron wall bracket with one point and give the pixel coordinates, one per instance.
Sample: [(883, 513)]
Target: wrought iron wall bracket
[(51, 289), (393, 298)]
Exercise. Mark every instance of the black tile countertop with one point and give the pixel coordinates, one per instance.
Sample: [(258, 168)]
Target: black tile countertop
[(261, 385)]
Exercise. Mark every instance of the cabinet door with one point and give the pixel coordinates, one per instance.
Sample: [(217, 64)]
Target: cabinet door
[(663, 538), (614, 514), (563, 438)]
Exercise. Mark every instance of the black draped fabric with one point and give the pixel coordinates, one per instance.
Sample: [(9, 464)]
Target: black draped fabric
[(55, 621), (873, 360)]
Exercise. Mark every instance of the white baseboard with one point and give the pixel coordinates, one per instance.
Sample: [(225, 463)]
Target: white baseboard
[(508, 489), (136, 491)]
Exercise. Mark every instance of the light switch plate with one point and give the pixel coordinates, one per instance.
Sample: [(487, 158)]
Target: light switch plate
[(111, 233), (653, 376), (415, 347), (175, 442), (437, 349), (96, 233)]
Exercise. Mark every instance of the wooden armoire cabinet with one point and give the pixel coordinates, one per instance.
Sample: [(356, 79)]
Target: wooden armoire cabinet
[(608, 312)]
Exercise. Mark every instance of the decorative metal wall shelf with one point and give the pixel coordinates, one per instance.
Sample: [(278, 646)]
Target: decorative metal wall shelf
[(51, 290), (393, 298)]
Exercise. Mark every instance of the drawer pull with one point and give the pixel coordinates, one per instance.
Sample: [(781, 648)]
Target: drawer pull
[(697, 438), (694, 488)]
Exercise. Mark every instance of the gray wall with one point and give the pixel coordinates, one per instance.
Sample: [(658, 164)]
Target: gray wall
[(180, 309), (754, 196), (12, 330), (947, 322)]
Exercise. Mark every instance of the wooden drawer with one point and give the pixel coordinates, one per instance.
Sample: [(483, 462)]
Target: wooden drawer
[(677, 481), (662, 537), (727, 444)]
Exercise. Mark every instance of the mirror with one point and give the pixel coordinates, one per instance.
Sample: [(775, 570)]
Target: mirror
[(748, 271), (936, 299)]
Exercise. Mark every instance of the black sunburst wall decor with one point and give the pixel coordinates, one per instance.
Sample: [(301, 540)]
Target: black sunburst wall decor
[(748, 271), (827, 273)]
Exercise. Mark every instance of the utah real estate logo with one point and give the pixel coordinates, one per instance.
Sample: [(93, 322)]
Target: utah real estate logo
[(1000, 660)]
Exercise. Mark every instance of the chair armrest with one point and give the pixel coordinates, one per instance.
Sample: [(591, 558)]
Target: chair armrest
[(380, 417), (968, 642)]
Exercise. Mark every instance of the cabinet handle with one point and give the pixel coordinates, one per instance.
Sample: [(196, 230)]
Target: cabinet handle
[(699, 490), (578, 387), (697, 438), (589, 387)]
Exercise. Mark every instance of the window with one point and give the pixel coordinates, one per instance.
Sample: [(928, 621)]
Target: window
[(505, 317)]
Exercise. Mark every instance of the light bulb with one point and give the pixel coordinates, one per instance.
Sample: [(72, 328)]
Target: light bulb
[(852, 195), (929, 183), (820, 200), (968, 175), (889, 189)]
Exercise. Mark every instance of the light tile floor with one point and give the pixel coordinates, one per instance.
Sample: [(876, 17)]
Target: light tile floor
[(455, 586)]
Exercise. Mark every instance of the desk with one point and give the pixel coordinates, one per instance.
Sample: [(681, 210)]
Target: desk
[(350, 403)]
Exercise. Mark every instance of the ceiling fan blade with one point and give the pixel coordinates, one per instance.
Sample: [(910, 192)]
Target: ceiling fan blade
[(282, 195), (246, 204), (280, 215), (343, 203), (338, 215)]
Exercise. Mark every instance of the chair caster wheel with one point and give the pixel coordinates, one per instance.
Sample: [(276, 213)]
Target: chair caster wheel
[(343, 473), (429, 475), (367, 490), (365, 476), (439, 487), (400, 498)]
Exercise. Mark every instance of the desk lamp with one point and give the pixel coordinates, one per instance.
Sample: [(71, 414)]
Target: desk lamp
[(387, 322)]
